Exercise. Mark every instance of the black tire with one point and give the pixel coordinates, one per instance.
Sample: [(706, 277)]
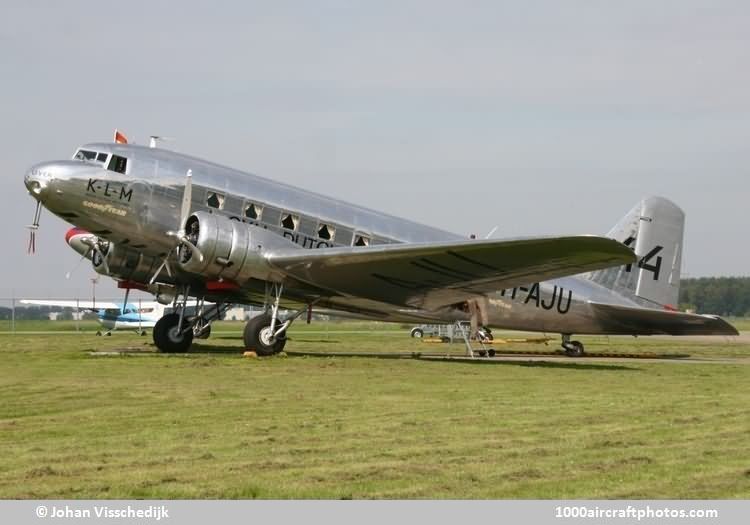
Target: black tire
[(166, 337), (491, 352), (205, 333), (417, 332), (574, 349), (256, 336)]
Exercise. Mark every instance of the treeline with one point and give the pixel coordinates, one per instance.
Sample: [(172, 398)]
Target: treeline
[(728, 296)]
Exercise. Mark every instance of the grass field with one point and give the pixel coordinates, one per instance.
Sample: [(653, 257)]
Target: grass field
[(212, 424)]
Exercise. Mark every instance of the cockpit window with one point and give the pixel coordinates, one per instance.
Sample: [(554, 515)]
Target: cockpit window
[(84, 154), (87, 155), (118, 164)]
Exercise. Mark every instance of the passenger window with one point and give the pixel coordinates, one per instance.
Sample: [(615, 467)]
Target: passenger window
[(326, 232), (289, 221), (215, 200), (253, 211), (361, 240), (118, 164)]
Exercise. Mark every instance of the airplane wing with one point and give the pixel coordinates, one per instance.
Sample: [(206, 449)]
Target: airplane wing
[(83, 305), (644, 321), (430, 275)]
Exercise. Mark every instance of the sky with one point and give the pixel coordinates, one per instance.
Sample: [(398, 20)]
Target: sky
[(538, 117)]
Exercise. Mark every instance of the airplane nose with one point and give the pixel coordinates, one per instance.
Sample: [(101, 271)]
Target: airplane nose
[(36, 181)]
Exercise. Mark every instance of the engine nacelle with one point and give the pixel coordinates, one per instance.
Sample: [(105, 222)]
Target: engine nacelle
[(123, 262), (231, 249)]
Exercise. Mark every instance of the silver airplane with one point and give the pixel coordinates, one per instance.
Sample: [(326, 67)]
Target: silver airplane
[(180, 227)]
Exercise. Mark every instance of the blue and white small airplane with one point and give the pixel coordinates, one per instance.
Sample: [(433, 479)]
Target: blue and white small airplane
[(113, 316)]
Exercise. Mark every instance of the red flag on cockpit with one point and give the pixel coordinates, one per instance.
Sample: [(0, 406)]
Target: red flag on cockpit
[(120, 138)]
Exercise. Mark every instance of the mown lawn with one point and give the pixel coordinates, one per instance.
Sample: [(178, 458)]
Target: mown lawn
[(215, 425)]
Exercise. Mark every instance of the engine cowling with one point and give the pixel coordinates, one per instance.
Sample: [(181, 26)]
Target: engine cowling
[(123, 262), (231, 249)]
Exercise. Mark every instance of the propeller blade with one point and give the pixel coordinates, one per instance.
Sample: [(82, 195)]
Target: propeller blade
[(98, 250), (84, 256), (186, 200), (158, 271), (164, 264)]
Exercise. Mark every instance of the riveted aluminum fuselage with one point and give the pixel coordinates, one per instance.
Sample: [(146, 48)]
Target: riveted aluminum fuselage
[(135, 209)]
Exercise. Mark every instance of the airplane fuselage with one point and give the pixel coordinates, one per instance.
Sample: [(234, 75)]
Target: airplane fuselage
[(134, 209)]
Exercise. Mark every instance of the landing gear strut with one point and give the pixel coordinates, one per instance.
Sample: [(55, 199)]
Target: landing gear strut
[(572, 348), (265, 334), (175, 332), (260, 337)]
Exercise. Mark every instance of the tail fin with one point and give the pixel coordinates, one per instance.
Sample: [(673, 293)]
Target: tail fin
[(654, 230)]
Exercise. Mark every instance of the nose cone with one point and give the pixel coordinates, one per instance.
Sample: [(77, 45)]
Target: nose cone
[(38, 178)]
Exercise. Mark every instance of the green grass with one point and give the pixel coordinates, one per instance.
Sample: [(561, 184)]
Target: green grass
[(215, 425), (740, 323)]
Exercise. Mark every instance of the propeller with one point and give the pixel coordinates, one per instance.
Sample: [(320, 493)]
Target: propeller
[(95, 247), (84, 256), (183, 241)]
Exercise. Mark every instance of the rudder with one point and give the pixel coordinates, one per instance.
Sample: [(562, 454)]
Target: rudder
[(654, 229)]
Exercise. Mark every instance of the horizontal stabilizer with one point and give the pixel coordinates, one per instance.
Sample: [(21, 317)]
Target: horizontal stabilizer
[(431, 275), (643, 321)]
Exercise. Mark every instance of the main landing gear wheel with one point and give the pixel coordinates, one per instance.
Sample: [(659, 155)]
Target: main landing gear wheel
[(259, 338), (417, 332), (166, 337), (573, 349)]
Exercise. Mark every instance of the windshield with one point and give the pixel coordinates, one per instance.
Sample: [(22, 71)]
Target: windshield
[(87, 155)]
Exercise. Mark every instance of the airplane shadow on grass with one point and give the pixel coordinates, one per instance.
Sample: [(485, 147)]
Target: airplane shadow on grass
[(199, 349), (458, 360)]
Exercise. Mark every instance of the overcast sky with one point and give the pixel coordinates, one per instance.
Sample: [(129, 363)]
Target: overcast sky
[(539, 117)]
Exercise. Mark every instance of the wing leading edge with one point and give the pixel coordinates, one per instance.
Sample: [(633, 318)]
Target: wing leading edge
[(430, 275)]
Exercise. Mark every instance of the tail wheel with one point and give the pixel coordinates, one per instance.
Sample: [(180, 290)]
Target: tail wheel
[(259, 338), (204, 332), (166, 337)]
